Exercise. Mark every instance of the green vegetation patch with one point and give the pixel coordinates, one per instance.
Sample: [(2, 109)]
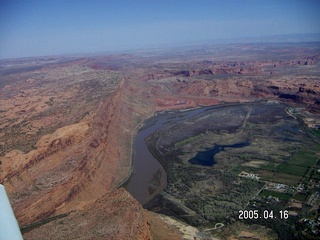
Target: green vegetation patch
[(292, 169), (279, 177), (186, 140), (250, 125), (304, 158), (286, 168), (267, 193), (297, 166), (270, 166), (315, 174), (287, 179), (267, 175), (316, 132), (300, 197)]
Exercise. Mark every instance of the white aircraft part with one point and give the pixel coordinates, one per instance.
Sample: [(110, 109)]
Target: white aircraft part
[(9, 228)]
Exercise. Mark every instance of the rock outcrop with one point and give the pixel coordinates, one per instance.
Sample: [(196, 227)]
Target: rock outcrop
[(67, 129), (76, 164), (115, 215)]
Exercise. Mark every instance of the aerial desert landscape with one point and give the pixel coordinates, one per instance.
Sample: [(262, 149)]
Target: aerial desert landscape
[(69, 123)]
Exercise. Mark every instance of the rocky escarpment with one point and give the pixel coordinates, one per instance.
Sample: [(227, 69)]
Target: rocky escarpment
[(74, 165), (233, 68), (314, 108), (284, 86), (113, 216), (66, 132), (188, 85), (67, 135)]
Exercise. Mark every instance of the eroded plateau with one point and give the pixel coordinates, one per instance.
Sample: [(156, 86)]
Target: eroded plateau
[(68, 126)]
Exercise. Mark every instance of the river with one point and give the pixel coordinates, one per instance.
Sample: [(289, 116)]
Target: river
[(149, 177)]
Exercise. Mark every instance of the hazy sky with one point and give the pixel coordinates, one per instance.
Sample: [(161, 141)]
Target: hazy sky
[(35, 28)]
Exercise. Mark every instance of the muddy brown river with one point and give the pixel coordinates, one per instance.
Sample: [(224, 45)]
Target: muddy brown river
[(145, 166), (149, 177)]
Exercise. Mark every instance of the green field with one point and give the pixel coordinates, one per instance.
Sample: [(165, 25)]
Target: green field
[(300, 197), (295, 168), (279, 177), (292, 169), (287, 179), (270, 166), (304, 158), (267, 193), (286, 168)]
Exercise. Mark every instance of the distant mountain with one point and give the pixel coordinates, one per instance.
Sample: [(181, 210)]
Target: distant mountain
[(295, 37)]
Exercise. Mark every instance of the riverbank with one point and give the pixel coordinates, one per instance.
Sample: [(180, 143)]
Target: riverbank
[(133, 135), (215, 192)]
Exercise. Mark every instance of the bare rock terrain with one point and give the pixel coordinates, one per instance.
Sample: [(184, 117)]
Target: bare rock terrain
[(113, 216), (67, 125)]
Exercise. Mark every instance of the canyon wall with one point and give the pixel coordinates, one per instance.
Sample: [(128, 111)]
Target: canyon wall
[(67, 130), (86, 156)]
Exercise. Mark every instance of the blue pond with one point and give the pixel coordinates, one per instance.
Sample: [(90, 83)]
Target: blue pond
[(206, 158)]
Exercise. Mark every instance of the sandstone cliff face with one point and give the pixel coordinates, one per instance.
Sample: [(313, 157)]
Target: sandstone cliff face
[(113, 216), (70, 166), (67, 134), (301, 91), (77, 163)]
